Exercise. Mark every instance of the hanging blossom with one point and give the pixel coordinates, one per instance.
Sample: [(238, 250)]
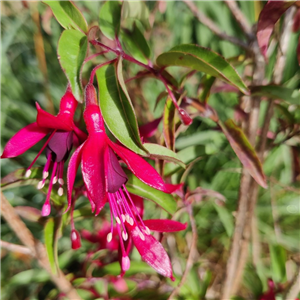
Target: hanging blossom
[(105, 182), (63, 134)]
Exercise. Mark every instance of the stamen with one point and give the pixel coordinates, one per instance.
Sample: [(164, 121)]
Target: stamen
[(42, 149), (40, 185), (28, 173), (141, 236), (123, 218), (60, 181), (45, 175), (124, 235), (109, 237), (54, 180), (118, 220), (147, 230), (60, 191)]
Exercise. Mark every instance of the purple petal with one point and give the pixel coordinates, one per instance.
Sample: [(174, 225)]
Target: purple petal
[(23, 140), (60, 144), (151, 251), (149, 129), (93, 167), (164, 225), (116, 177), (72, 170), (140, 168), (60, 122)]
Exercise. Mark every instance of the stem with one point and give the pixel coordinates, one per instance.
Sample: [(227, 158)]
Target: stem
[(15, 248), (36, 248), (94, 55), (98, 67), (213, 27), (190, 259)]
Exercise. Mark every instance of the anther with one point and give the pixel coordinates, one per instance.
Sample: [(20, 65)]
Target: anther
[(109, 237), (123, 218), (147, 230), (60, 191), (28, 173), (61, 181), (141, 236), (124, 235), (118, 220), (45, 175), (40, 185), (54, 180)]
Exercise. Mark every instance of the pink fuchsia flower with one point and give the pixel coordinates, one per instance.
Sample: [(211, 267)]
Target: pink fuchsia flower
[(102, 173), (63, 134), (105, 182)]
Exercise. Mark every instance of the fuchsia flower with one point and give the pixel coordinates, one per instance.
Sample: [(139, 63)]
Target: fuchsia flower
[(105, 182), (62, 135)]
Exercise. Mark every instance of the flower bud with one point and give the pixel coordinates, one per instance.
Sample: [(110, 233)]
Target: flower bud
[(75, 239), (184, 116)]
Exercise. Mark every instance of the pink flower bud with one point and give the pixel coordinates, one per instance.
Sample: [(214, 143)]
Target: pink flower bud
[(75, 239), (184, 116)]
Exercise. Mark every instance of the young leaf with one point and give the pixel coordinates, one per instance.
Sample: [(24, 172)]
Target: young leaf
[(72, 48), (276, 92), (244, 151), (136, 10), (278, 260), (206, 83), (169, 124), (68, 15), (160, 152), (116, 107), (136, 44), (51, 234), (203, 60), (268, 17), (110, 18), (137, 187)]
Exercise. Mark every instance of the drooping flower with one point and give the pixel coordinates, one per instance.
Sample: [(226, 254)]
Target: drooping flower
[(105, 182), (63, 134), (130, 230)]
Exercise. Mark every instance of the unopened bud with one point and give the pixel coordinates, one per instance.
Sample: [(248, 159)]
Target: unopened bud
[(184, 116), (75, 239)]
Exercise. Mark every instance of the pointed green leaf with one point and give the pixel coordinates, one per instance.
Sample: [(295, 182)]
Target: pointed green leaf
[(136, 10), (276, 92), (137, 187), (51, 235), (206, 82), (244, 151), (278, 261), (136, 44), (169, 124), (160, 152), (68, 15), (203, 60), (72, 48), (110, 18), (116, 107)]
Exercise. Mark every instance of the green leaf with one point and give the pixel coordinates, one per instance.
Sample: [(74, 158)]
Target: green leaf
[(244, 151), (160, 152), (137, 187), (226, 218), (136, 44), (276, 92), (136, 10), (72, 48), (206, 82), (169, 124), (278, 260), (17, 178), (136, 267), (116, 107), (203, 60), (51, 234), (110, 18), (68, 15)]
